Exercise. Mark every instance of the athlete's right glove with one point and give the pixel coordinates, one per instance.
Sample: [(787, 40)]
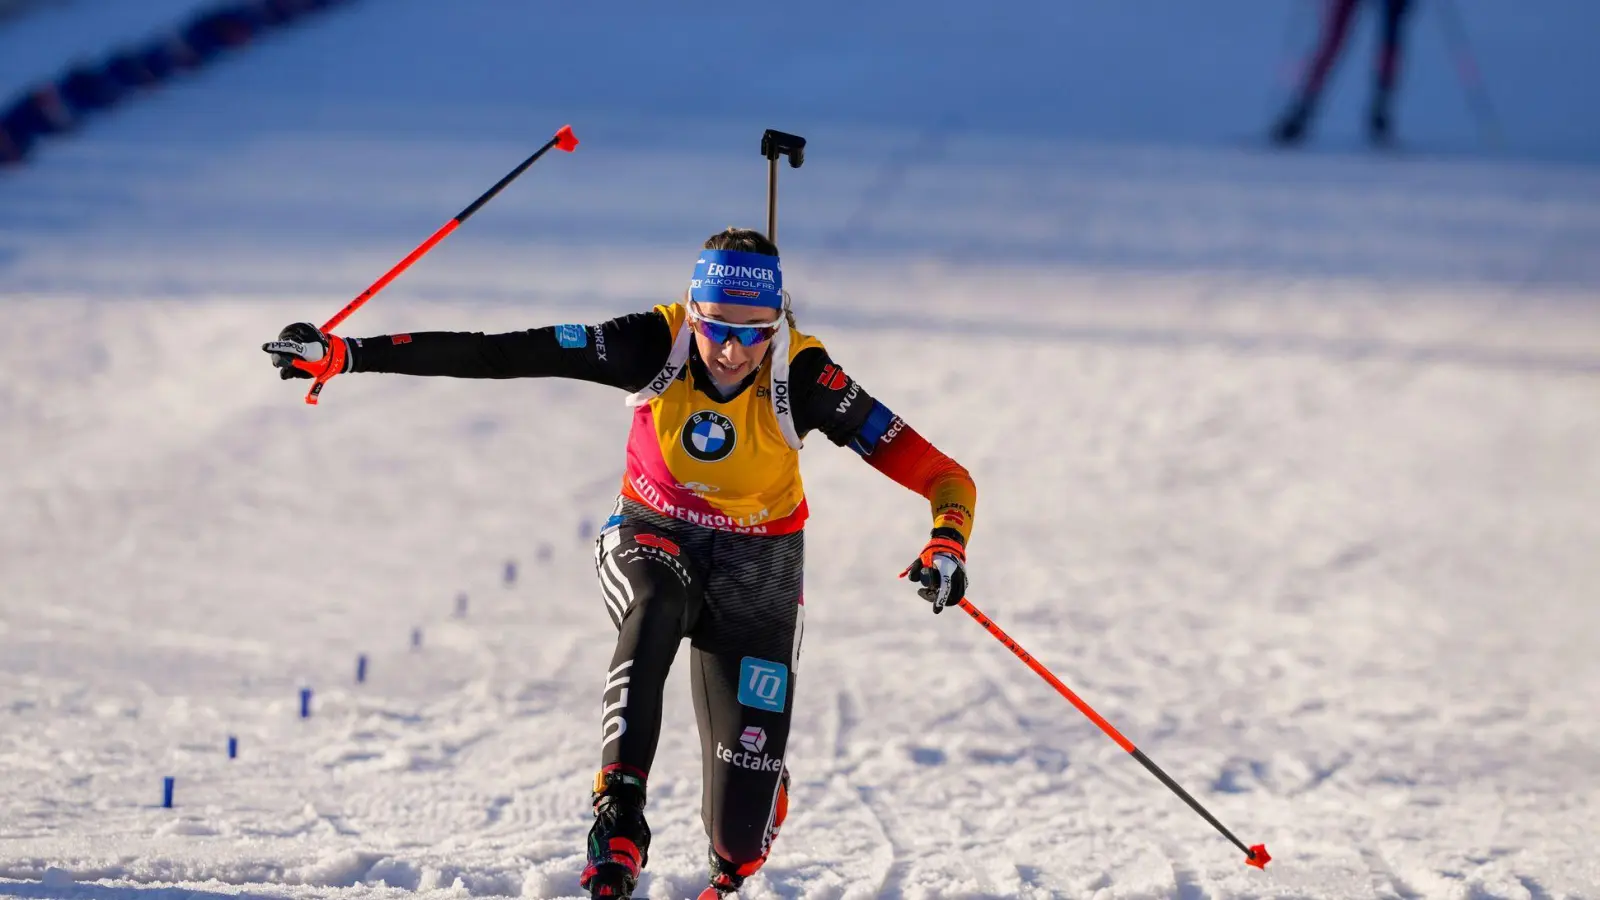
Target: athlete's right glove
[(940, 571), (303, 351)]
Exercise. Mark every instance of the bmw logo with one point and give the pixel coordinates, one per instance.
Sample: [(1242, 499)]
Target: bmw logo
[(709, 436)]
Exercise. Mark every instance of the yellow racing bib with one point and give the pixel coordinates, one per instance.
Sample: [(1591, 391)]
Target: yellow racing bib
[(732, 465)]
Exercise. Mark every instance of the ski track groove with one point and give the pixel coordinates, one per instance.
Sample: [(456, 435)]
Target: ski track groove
[(894, 875), (439, 732), (1534, 888), (1382, 870), (846, 719), (1323, 775), (1185, 883)]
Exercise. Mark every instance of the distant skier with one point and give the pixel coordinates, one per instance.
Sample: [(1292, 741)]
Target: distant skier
[(1291, 126), (705, 541)]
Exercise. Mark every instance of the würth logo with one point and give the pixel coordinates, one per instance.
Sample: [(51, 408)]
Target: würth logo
[(651, 540), (833, 378)]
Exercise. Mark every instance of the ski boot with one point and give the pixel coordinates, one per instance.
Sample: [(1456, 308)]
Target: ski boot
[(1290, 128), (726, 877), (1379, 129), (620, 840)]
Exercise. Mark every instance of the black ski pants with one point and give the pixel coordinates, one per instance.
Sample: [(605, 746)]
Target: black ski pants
[(1335, 28), (737, 598)]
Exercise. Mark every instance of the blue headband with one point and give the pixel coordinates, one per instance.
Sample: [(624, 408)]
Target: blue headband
[(733, 276)]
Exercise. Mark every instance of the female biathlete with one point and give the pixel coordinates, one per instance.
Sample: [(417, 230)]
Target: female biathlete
[(705, 540)]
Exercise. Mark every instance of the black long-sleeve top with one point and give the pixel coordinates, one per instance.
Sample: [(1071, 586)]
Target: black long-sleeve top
[(628, 352), (624, 353)]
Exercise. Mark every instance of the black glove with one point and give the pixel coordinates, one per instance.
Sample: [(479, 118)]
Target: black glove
[(303, 351), (940, 571)]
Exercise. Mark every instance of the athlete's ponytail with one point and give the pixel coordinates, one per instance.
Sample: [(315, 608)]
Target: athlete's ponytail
[(749, 240)]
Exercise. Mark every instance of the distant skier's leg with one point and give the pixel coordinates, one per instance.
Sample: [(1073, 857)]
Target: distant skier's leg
[(1291, 126), (745, 650), (653, 596), (1379, 124)]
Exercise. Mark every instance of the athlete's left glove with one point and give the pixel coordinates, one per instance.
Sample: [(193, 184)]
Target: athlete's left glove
[(303, 351), (940, 572)]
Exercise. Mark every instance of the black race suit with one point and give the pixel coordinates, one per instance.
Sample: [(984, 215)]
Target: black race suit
[(734, 596)]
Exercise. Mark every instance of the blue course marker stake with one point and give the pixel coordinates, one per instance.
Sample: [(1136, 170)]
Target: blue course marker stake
[(233, 747), (166, 791), (511, 572), (361, 669), (416, 638), (586, 530), (461, 605), (305, 703)]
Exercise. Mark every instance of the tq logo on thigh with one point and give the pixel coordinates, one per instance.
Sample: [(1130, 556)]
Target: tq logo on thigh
[(763, 684)]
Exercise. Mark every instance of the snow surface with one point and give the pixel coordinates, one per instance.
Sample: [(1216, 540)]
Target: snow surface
[(1288, 464)]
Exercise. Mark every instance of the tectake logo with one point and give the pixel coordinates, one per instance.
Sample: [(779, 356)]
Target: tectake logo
[(754, 738), (753, 760)]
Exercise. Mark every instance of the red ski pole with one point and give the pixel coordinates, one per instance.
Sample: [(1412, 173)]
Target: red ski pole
[(1254, 856), (564, 139), (1455, 33)]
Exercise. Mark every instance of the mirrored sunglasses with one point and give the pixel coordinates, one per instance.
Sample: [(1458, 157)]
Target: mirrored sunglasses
[(719, 332)]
